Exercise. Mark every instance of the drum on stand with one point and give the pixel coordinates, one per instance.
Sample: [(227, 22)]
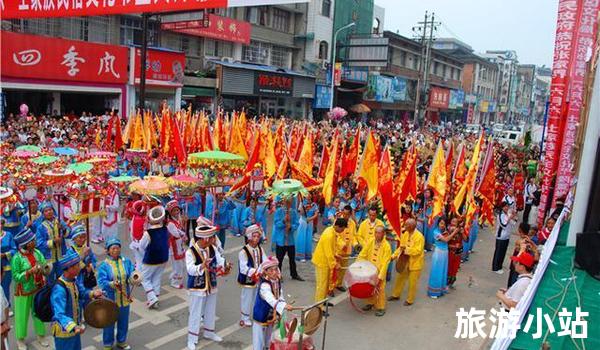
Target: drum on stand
[(361, 279)]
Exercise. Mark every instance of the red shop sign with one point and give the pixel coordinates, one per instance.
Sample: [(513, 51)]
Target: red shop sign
[(439, 97), (219, 28), (73, 8), (162, 67), (40, 57), (273, 84)]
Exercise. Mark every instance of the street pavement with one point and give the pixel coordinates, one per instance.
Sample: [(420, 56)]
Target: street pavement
[(427, 324)]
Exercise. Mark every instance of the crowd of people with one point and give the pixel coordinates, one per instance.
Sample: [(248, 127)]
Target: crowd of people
[(43, 246)]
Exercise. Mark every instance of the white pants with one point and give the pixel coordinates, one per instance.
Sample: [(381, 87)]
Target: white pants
[(247, 301), (201, 308), (176, 275), (261, 336), (109, 232), (151, 281), (96, 228), (138, 254)]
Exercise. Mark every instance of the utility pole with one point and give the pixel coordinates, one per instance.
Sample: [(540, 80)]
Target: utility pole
[(426, 31)]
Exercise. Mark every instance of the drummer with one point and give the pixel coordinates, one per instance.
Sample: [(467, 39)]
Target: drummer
[(67, 325), (250, 258), (88, 259), (325, 258), (379, 252), (269, 304), (114, 277)]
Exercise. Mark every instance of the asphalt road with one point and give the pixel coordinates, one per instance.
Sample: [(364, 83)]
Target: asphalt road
[(428, 324)]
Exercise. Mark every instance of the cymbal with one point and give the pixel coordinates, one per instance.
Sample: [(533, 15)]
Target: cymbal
[(312, 320), (101, 313)]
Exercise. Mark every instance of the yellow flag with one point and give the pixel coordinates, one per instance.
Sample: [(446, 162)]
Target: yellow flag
[(368, 170), (305, 161), (330, 174), (468, 185), (437, 182), (237, 143)]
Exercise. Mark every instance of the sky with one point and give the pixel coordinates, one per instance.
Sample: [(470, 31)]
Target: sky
[(526, 26)]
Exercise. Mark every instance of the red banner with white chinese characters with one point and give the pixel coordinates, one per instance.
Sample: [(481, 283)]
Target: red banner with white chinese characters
[(583, 46), (162, 67), (40, 57), (74, 8), (568, 12), (470, 113), (219, 28), (439, 97)]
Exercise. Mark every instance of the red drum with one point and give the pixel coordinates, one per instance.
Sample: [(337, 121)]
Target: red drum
[(361, 279), (278, 344)]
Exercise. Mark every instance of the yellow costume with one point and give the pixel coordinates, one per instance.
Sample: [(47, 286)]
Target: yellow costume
[(348, 238), (366, 231), (413, 246), (324, 259), (379, 253)]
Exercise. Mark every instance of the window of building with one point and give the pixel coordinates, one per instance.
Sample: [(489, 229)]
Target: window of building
[(131, 31), (217, 48), (326, 8), (252, 15), (256, 52), (323, 50), (184, 44), (281, 20), (263, 16), (280, 56)]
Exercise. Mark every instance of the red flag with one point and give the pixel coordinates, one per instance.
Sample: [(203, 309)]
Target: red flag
[(176, 143), (487, 186), (449, 160), (409, 185), (324, 161), (280, 145), (351, 158), (387, 192)]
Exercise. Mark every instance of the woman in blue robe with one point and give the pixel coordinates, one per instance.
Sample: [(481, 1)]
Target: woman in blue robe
[(304, 236), (438, 277)]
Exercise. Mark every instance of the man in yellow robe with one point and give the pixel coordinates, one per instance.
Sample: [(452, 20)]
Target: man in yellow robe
[(345, 251), (366, 229), (325, 259), (379, 252), (412, 244)]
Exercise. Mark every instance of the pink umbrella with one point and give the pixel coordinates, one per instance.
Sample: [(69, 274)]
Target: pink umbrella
[(24, 154)]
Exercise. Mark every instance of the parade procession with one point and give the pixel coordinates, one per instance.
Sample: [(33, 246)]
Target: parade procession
[(150, 210)]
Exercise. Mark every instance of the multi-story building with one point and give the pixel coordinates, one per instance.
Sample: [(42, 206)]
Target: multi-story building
[(541, 93), (506, 92), (348, 11), (525, 91), (479, 80), (227, 61)]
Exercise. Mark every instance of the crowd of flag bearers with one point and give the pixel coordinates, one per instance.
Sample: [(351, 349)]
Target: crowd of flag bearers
[(362, 208)]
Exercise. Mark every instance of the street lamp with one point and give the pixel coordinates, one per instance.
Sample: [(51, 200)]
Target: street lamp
[(333, 60)]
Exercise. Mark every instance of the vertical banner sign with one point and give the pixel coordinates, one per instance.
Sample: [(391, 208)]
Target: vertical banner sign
[(583, 42), (338, 74), (565, 29)]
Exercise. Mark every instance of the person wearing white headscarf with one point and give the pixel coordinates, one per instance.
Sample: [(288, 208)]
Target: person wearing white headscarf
[(249, 259)]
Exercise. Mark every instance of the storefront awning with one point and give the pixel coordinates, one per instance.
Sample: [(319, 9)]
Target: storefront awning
[(197, 91)]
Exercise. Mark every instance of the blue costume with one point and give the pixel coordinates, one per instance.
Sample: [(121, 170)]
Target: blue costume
[(45, 234), (110, 271), (68, 299), (236, 215), (330, 211), (89, 259), (359, 214), (12, 218), (279, 235), (438, 278), (473, 233), (37, 218), (255, 216), (304, 234), (223, 218), (8, 249)]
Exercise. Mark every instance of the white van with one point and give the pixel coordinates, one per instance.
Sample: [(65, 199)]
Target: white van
[(510, 137)]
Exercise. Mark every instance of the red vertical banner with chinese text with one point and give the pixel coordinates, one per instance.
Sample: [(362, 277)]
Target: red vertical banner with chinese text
[(583, 47), (568, 11)]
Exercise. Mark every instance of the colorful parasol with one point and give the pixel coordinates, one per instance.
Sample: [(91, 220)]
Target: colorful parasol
[(123, 178), (30, 148), (102, 154), (287, 188), (150, 185), (185, 184), (23, 154), (5, 192), (216, 168), (80, 168), (66, 151), (214, 156), (45, 160)]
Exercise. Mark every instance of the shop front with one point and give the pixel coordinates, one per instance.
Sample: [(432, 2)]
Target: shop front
[(388, 97), (164, 78), (264, 90), (55, 76)]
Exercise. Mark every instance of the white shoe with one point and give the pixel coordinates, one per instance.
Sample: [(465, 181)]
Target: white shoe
[(213, 336), (499, 271), (21, 345), (43, 342), (153, 304), (245, 323), (191, 346), (10, 313)]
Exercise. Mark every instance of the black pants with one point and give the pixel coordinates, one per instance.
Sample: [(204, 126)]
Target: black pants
[(526, 213), (280, 252), (499, 254)]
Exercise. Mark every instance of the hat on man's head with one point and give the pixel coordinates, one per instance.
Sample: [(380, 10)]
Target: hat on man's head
[(139, 207), (156, 216), (172, 205), (250, 230), (112, 241), (204, 221), (24, 237), (70, 259), (524, 259), (45, 205), (76, 231), (268, 263), (205, 231)]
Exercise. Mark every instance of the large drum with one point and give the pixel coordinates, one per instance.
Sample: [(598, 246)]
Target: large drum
[(361, 279)]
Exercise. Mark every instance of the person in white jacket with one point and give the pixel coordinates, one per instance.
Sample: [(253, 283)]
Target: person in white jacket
[(110, 222), (249, 259), (177, 243), (203, 263)]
